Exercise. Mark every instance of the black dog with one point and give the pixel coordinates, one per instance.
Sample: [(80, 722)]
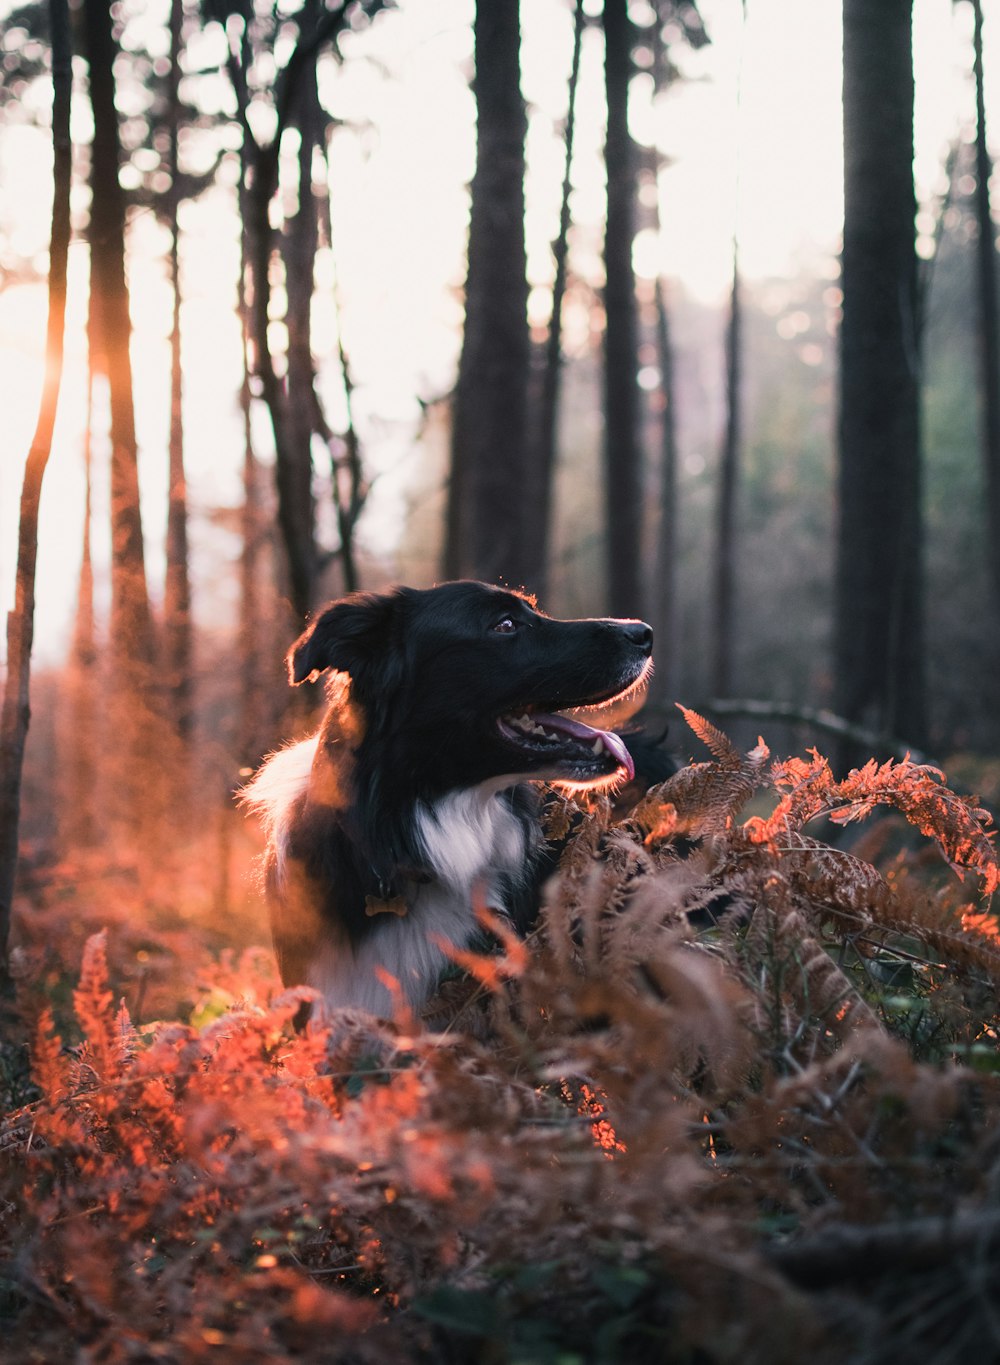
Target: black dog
[(414, 799)]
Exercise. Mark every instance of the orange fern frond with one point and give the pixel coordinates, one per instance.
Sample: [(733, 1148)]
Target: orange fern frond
[(92, 1004), (918, 791), (706, 797), (49, 1069), (715, 740), (807, 787)]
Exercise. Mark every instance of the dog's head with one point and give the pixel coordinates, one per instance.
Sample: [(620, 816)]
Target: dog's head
[(466, 683)]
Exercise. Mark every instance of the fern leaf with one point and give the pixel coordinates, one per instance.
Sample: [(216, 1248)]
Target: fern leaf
[(717, 743), (49, 1068), (706, 797), (918, 791), (93, 1006)]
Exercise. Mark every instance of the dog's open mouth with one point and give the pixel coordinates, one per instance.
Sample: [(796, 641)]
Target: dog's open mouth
[(567, 747)]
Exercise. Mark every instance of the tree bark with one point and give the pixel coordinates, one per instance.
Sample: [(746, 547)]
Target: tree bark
[(878, 631), (665, 607), (253, 731), (77, 820), (486, 523), (988, 320), (16, 713), (293, 467), (622, 447), (177, 589), (724, 559), (131, 622), (298, 248)]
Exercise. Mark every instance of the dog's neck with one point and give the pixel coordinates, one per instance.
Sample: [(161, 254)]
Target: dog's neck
[(472, 837), (457, 839), (469, 848)]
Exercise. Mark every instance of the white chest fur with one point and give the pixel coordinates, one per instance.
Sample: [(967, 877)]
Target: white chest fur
[(473, 842)]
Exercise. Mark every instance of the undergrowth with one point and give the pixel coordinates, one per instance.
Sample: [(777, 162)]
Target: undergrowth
[(735, 1099)]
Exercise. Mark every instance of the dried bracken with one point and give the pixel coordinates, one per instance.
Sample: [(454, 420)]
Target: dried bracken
[(735, 1098)]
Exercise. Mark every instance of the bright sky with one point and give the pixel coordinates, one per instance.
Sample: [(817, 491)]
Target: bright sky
[(399, 212)]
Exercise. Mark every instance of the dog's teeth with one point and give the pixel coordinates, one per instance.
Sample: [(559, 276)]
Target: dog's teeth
[(598, 746)]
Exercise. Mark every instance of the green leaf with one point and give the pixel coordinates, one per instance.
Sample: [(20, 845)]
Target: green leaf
[(622, 1284), (463, 1310)]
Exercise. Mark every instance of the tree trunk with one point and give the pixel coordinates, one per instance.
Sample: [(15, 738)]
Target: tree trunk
[(131, 622), (486, 524), (989, 323), (16, 712), (538, 501), (665, 608), (298, 249), (293, 456), (724, 560), (293, 464), (878, 632), (622, 449), (77, 821), (177, 589), (253, 735)]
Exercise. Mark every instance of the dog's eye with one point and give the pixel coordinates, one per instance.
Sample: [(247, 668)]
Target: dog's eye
[(506, 626)]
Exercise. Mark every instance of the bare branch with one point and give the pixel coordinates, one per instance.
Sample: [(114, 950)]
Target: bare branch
[(828, 722)]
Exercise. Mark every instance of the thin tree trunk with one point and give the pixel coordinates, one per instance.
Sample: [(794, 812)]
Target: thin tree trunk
[(252, 732), (177, 588), (724, 566), (348, 484), (486, 523), (81, 729), (665, 607), (131, 621), (298, 250), (350, 489), (622, 449), (16, 713), (542, 468), (878, 630), (293, 465), (988, 320), (250, 612), (725, 550), (293, 460)]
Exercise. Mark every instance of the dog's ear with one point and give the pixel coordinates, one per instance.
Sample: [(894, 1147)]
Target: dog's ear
[(345, 637)]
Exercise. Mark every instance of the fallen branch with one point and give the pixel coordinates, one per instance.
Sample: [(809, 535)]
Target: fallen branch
[(826, 721), (852, 1252)]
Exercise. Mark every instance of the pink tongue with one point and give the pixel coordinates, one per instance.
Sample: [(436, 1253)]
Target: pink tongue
[(614, 743)]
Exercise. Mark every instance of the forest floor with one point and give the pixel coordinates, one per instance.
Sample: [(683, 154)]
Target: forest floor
[(735, 1099)]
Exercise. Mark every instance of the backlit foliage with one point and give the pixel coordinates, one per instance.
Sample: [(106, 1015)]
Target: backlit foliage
[(735, 1099)]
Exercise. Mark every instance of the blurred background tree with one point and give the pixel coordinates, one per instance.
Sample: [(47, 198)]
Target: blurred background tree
[(879, 611)]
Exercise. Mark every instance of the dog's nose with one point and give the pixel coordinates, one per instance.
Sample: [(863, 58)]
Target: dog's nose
[(639, 634)]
